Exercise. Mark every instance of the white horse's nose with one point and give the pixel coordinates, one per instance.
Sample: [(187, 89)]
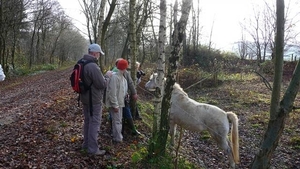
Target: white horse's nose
[(149, 86)]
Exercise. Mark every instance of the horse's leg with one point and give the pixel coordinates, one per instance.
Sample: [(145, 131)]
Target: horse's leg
[(225, 145), (172, 132)]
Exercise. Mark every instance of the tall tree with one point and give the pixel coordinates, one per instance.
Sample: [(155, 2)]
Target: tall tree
[(242, 45), (262, 28), (279, 110), (103, 28), (30, 31), (96, 24), (11, 15), (177, 42), (155, 148), (133, 48), (159, 141), (132, 38)]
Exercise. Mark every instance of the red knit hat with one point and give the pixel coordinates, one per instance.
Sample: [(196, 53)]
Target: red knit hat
[(122, 64)]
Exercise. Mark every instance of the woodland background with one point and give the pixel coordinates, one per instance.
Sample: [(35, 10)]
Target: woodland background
[(41, 124), (37, 36), (38, 32)]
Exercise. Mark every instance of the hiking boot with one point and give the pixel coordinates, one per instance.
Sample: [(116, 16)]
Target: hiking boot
[(135, 132), (137, 114), (100, 153), (138, 118)]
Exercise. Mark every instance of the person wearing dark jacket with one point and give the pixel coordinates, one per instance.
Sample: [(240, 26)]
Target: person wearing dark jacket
[(92, 100), (139, 73)]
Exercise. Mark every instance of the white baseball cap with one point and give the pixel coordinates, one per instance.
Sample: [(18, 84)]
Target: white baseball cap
[(95, 48)]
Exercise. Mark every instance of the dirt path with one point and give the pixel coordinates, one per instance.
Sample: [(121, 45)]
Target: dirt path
[(41, 126), (25, 94)]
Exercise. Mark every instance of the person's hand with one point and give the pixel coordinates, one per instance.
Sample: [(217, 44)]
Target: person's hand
[(109, 73), (135, 97)]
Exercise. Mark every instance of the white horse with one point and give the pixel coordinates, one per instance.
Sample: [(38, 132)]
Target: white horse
[(2, 75), (195, 116)]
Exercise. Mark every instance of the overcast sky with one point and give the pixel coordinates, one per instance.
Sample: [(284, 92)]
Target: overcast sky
[(224, 16)]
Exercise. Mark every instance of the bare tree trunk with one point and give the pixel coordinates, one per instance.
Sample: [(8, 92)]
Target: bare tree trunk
[(94, 13), (198, 24), (177, 40), (63, 25), (171, 25), (279, 111), (142, 22), (156, 150), (101, 22), (2, 41), (125, 47), (104, 29), (100, 39), (133, 49), (178, 36), (210, 36), (31, 55)]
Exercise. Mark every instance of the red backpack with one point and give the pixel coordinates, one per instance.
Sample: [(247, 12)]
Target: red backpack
[(77, 77), (77, 81)]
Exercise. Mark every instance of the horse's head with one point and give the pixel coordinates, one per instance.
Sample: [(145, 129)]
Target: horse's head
[(152, 83)]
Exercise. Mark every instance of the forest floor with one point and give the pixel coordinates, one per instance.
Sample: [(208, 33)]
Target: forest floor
[(41, 124)]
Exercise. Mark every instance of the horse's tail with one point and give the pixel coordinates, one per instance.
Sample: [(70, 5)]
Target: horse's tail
[(234, 136)]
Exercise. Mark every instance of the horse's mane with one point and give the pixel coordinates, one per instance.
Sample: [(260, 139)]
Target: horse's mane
[(178, 90)]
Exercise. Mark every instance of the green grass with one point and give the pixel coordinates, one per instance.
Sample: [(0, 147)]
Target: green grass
[(261, 118), (237, 76), (295, 142), (63, 124), (20, 71), (204, 135)]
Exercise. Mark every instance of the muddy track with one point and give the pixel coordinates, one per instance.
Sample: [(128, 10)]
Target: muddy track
[(23, 94), (41, 126)]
